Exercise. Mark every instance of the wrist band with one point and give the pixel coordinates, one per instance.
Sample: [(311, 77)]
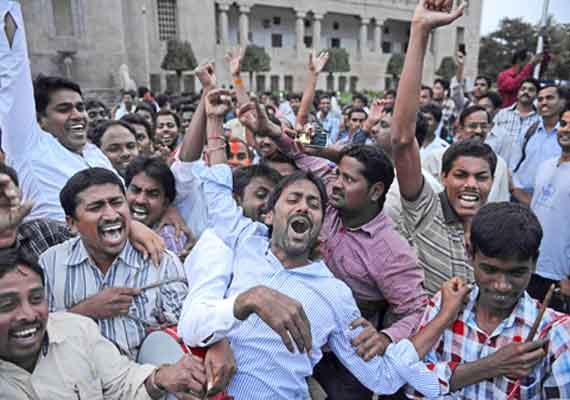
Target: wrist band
[(238, 82), (210, 149)]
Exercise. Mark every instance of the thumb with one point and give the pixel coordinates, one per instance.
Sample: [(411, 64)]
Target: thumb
[(24, 210), (210, 378), (457, 13)]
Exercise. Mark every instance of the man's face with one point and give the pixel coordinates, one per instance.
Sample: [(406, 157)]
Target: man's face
[(297, 219), (23, 316), (548, 102), (501, 282), (476, 126), (265, 146), (97, 115), (127, 100), (166, 130), (255, 197), (488, 105), (356, 121), (425, 97), (186, 118), (7, 236), (563, 132), (120, 147), (147, 199), (239, 155), (390, 100), (381, 133), (438, 91), (295, 103), (431, 123), (351, 192), (102, 220), (143, 140), (468, 184), (66, 119), (146, 115), (357, 103), (325, 105), (481, 88), (526, 94)]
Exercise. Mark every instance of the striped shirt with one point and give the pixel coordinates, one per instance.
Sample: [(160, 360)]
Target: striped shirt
[(71, 277), (465, 342), (433, 228)]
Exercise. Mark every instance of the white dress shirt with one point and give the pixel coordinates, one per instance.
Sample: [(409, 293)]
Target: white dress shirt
[(42, 163)]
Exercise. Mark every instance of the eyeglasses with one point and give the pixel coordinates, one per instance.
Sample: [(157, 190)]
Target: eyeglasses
[(473, 126)]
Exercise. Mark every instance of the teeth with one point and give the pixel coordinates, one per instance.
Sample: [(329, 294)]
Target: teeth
[(26, 332), (140, 210), (469, 197), (111, 227)]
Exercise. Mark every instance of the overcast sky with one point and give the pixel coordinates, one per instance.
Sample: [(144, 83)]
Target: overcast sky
[(529, 10)]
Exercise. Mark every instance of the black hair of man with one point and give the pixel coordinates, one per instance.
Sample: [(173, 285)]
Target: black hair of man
[(93, 103), (468, 148), (378, 166), (357, 110), (292, 96), (532, 81), (297, 176), (361, 97), (389, 110), (16, 256), (45, 86), (472, 110), (506, 231), (432, 109), (519, 56), (11, 172), (429, 89), (559, 90), (154, 168), (442, 82), (162, 99), (102, 128), (242, 176), (390, 92), (494, 98), (168, 112), (82, 181), (135, 119), (485, 78), (421, 128), (144, 106), (141, 91)]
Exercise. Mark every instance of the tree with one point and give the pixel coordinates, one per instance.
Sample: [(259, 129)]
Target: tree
[(447, 68), (395, 67), (339, 61), (179, 57), (255, 60)]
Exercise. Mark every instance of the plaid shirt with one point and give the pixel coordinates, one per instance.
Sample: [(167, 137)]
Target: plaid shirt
[(173, 243), (38, 235), (465, 342)]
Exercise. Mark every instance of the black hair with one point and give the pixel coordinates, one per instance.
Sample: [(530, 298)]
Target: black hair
[(432, 109), (324, 96), (506, 230), (357, 110), (519, 56), (11, 172), (429, 89), (136, 119), (44, 86), (471, 110), (144, 106), (162, 99), (297, 176), (378, 166), (291, 96), (559, 90), (532, 81), (390, 92), (142, 90), (389, 110), (82, 181), (468, 148), (154, 168), (421, 128), (93, 103), (13, 257), (102, 128), (167, 112), (494, 98), (442, 82), (242, 176), (485, 78)]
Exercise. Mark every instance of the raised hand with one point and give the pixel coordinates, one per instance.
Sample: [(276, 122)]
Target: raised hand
[(254, 117), (233, 58), (453, 295), (206, 75), (431, 14), (517, 360), (218, 103), (316, 64), (369, 343)]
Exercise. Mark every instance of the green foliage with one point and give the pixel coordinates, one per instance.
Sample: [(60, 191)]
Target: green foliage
[(179, 57), (255, 59), (447, 68), (339, 61), (395, 65)]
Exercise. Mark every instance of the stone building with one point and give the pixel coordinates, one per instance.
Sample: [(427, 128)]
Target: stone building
[(88, 40)]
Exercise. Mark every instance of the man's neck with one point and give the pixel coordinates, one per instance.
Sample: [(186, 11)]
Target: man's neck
[(524, 109), (488, 320), (549, 123), (287, 260), (430, 137), (323, 114), (362, 217)]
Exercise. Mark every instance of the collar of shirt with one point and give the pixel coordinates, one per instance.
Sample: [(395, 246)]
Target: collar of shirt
[(449, 214), (372, 227), (514, 109), (129, 255), (542, 128)]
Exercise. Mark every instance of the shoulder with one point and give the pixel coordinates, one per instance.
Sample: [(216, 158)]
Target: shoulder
[(64, 248), (64, 325)]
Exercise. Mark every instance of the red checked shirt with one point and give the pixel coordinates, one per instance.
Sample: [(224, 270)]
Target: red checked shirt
[(465, 342)]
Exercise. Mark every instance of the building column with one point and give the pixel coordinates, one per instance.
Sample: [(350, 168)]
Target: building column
[(244, 24), (300, 32), (363, 36), (317, 31), (378, 28), (224, 25), (146, 80)]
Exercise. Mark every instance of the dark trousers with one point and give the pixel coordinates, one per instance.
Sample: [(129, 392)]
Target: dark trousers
[(537, 289), (337, 381)]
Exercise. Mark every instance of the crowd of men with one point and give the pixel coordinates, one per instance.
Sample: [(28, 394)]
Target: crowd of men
[(398, 247)]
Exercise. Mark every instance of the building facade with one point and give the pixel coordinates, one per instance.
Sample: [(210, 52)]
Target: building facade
[(89, 40)]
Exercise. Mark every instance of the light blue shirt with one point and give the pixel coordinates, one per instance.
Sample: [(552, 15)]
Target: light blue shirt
[(540, 147), (42, 163), (551, 204), (331, 124), (265, 368)]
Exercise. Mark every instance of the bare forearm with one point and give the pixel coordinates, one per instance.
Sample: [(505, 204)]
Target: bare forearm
[(307, 100), (241, 93), (522, 196), (195, 136), (426, 339), (216, 142), (471, 373)]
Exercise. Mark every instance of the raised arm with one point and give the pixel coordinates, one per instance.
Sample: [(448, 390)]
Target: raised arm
[(217, 104), (507, 83), (316, 65), (404, 145), (20, 130), (233, 58)]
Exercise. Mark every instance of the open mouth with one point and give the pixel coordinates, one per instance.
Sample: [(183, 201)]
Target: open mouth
[(300, 224), (469, 199), (112, 233), (26, 335), (77, 127), (139, 212)]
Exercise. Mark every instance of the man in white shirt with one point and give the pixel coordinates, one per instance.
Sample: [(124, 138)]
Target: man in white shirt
[(48, 153), (432, 142)]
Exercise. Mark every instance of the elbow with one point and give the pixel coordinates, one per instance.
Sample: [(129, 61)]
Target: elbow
[(188, 328)]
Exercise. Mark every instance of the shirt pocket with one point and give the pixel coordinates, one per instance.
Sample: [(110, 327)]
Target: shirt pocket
[(80, 391)]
